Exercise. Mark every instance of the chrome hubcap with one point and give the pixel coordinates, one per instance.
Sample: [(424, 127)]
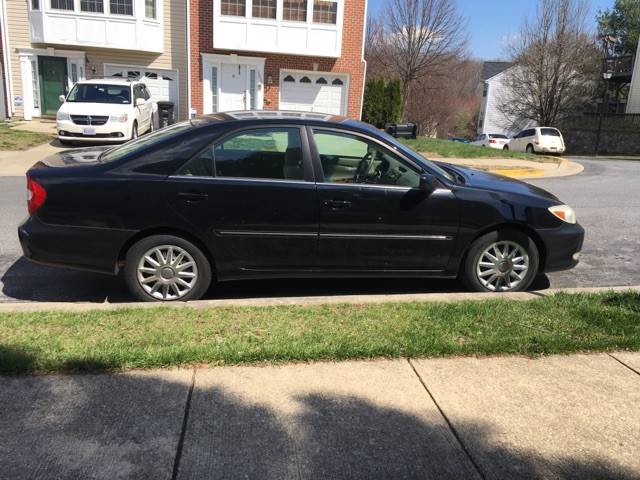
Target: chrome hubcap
[(502, 266), (167, 272)]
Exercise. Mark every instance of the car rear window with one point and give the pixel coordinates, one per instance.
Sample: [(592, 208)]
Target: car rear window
[(498, 136), (549, 132), (100, 93)]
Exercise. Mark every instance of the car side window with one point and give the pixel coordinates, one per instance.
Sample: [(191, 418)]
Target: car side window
[(145, 92), (349, 158), (270, 153), (199, 166)]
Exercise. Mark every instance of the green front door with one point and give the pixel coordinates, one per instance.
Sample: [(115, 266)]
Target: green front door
[(53, 83)]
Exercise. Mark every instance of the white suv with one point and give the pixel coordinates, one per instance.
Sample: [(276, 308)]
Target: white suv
[(105, 110), (538, 140)]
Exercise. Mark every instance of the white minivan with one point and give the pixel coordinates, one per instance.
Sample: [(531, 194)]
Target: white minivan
[(538, 140), (105, 110)]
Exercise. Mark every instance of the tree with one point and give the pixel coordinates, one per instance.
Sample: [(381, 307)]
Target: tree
[(381, 103), (621, 22), (556, 63), (417, 38)]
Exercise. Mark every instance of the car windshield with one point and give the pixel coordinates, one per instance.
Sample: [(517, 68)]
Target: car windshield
[(116, 153), (407, 151), (498, 136), (549, 132), (100, 93)]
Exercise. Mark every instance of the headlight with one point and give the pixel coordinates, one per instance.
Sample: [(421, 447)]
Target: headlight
[(62, 116), (564, 213), (120, 117)]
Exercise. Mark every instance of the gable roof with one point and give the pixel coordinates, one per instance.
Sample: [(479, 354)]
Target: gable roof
[(491, 69)]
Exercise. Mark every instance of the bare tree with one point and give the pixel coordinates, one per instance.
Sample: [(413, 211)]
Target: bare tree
[(555, 65), (418, 39)]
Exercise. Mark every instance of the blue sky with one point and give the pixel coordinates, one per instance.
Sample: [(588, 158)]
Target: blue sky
[(492, 22)]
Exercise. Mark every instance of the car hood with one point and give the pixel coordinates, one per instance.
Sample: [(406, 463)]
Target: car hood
[(499, 183), (73, 108), (73, 158)]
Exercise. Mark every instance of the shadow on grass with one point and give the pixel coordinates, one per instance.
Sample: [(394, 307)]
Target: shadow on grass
[(128, 426)]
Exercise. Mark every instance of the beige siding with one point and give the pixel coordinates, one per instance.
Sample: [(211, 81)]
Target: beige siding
[(174, 56)]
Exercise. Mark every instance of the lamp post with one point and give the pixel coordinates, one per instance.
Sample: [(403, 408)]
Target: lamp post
[(606, 76)]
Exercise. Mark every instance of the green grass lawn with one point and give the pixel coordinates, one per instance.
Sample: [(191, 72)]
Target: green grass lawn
[(447, 149), (105, 340), (12, 138)]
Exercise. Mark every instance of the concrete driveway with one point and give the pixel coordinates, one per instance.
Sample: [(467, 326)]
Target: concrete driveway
[(605, 195)]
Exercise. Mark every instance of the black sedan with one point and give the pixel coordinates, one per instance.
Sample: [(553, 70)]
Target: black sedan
[(273, 194)]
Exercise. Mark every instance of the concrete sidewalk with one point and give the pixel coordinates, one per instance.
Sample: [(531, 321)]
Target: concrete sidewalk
[(16, 163), (558, 417)]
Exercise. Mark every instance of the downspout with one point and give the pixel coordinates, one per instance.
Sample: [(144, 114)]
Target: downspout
[(364, 36), (6, 67)]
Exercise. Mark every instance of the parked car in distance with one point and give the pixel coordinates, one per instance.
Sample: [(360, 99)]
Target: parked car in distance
[(105, 110), (538, 140), (268, 194), (458, 140), (492, 140)]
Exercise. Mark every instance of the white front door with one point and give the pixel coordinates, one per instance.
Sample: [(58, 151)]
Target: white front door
[(233, 87)]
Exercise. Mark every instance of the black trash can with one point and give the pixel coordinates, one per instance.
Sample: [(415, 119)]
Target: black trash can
[(166, 114), (402, 130)]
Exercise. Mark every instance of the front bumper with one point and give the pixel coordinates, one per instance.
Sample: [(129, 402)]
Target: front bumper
[(109, 132), (563, 246)]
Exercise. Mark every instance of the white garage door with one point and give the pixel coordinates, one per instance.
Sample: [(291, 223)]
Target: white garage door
[(313, 92), (162, 84)]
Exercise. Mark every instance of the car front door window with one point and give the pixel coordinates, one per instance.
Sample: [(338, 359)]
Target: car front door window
[(352, 159)]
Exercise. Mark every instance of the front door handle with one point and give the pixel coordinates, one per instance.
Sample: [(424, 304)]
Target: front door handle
[(337, 204), (192, 197)]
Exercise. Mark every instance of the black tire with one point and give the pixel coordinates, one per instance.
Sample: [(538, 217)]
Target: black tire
[(469, 273), (139, 249), (530, 149), (506, 147), (134, 131)]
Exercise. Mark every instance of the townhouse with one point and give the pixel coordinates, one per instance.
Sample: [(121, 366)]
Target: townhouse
[(204, 55)]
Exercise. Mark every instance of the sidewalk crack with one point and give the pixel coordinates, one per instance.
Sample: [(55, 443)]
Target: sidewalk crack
[(624, 364), (449, 423), (183, 430)]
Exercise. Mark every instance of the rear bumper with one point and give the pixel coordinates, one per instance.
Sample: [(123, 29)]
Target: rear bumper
[(563, 246), (81, 248)]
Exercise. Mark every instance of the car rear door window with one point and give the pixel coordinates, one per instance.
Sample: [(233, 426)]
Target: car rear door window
[(266, 153), (549, 132), (349, 158)]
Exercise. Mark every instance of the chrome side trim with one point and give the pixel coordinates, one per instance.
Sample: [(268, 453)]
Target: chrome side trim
[(385, 237), (241, 179), (249, 233)]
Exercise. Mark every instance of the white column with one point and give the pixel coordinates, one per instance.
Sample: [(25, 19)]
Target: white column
[(26, 74)]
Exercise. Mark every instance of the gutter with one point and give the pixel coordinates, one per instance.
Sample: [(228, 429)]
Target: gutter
[(364, 75)]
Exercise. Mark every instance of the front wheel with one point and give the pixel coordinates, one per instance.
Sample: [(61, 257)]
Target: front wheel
[(134, 131), (501, 261), (166, 268), (530, 149)]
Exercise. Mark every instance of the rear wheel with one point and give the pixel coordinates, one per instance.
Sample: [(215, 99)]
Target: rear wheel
[(501, 261), (166, 268), (530, 149), (506, 147)]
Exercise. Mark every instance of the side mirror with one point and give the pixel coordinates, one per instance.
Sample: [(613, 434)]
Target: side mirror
[(61, 98), (428, 182), (139, 102)]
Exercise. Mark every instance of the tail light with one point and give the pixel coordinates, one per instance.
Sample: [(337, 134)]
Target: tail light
[(493, 141), (36, 196)]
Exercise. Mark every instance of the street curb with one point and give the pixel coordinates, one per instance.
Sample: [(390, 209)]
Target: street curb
[(17, 307)]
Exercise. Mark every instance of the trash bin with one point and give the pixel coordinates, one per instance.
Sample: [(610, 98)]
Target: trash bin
[(166, 114), (402, 130)]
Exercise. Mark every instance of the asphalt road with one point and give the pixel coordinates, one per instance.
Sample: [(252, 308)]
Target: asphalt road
[(606, 197)]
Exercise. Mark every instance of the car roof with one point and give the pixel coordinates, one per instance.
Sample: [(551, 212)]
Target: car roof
[(109, 81)]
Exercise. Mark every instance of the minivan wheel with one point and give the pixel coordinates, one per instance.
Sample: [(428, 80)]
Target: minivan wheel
[(501, 261), (506, 147), (166, 268), (134, 131), (530, 149)]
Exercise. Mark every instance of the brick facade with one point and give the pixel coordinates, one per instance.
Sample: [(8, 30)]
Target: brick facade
[(350, 62)]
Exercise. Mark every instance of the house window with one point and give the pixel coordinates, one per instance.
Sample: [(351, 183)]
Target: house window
[(62, 4), (264, 9), (34, 84), (74, 73), (150, 8), (305, 80), (214, 89), (235, 8), (121, 7), (321, 81), (294, 10), (95, 6), (252, 89), (325, 11), (337, 81), (289, 78), (35, 4), (485, 90)]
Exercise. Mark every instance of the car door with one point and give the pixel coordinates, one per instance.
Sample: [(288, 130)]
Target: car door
[(516, 143), (148, 105), (373, 216), (251, 194), (141, 110)]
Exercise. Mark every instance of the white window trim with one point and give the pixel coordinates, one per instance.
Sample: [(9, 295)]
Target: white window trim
[(26, 55), (210, 60), (347, 84)]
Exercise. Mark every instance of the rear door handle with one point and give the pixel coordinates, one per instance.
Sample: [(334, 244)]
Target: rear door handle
[(337, 203), (193, 197)]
